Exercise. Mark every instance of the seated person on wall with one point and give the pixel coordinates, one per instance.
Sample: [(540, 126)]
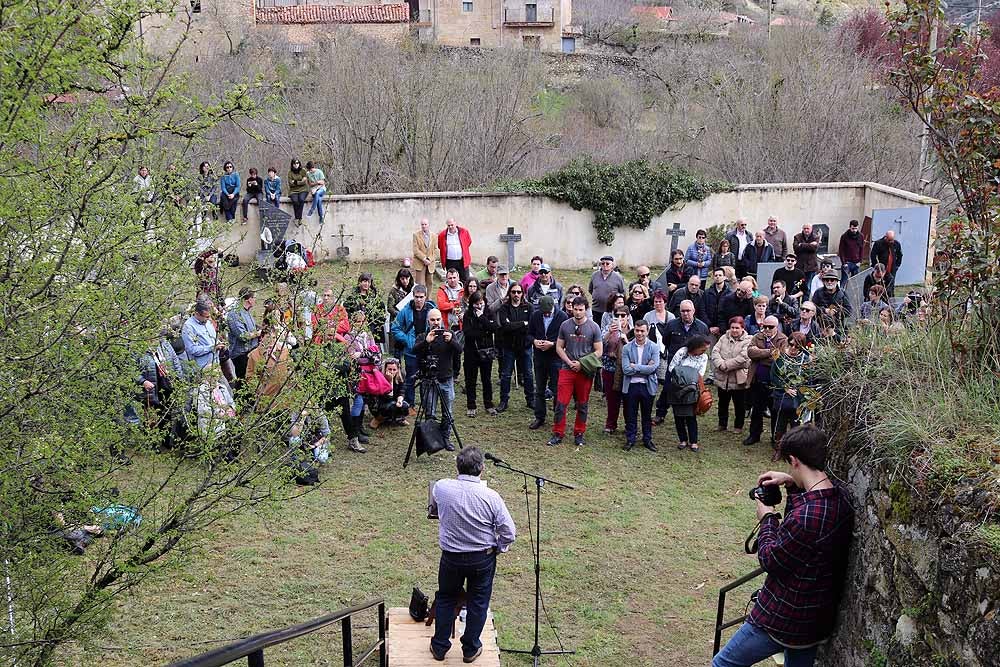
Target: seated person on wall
[(804, 555)]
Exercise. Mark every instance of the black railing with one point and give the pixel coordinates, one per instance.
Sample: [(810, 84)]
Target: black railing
[(252, 648), (720, 622)]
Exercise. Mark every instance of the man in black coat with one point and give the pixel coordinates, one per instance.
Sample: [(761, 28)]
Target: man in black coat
[(713, 297), (739, 303), (830, 300), (440, 345), (879, 276), (543, 330), (512, 324), (675, 336), (690, 292), (887, 252)]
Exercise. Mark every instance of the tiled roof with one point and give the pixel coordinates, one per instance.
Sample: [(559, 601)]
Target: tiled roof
[(301, 14), (661, 13)]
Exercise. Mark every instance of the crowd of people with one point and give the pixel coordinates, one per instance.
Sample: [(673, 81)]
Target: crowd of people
[(648, 345)]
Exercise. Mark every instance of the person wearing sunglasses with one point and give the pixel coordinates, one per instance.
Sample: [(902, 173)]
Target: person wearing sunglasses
[(764, 348), (788, 378), (793, 277), (298, 189), (512, 339), (639, 302), (545, 285), (807, 323), (831, 300), (805, 557), (230, 185)]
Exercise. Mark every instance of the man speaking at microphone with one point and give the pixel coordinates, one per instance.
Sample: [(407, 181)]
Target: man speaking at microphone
[(475, 525)]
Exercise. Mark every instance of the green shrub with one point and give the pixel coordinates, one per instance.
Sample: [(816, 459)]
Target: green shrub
[(630, 194)]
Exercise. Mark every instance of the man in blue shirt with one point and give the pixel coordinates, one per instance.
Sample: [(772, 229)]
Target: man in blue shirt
[(244, 336), (201, 342), (475, 525)]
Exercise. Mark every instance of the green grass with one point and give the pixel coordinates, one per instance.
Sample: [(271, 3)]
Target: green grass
[(632, 559)]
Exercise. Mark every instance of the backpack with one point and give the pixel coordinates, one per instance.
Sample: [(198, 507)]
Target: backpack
[(684, 385)]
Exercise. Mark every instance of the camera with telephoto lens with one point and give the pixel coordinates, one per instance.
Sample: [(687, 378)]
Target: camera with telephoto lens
[(769, 494)]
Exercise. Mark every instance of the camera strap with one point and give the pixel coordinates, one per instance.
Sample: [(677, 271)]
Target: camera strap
[(750, 544)]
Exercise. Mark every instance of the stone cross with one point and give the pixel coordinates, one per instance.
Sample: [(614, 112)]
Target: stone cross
[(342, 250), (510, 238), (676, 233)]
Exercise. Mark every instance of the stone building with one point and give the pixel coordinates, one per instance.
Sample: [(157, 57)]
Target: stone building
[(542, 25), (219, 27)]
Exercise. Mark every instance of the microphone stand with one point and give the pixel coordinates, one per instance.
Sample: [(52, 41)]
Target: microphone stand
[(536, 650)]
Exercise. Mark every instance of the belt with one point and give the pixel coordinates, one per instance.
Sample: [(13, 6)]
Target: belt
[(483, 552)]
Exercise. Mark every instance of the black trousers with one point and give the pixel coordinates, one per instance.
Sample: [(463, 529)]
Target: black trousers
[(546, 370), (663, 400), (738, 398), (759, 395), (483, 369)]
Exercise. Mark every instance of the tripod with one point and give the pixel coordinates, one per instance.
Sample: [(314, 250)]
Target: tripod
[(430, 386), (536, 650)]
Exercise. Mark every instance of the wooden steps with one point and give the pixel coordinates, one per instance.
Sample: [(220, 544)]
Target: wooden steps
[(409, 642)]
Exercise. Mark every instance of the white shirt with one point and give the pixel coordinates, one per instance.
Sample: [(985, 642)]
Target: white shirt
[(454, 250), (638, 379)]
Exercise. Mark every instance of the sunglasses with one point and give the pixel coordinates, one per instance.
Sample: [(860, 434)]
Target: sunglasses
[(808, 310), (770, 326), (622, 316), (643, 275), (543, 271), (637, 291), (516, 291)]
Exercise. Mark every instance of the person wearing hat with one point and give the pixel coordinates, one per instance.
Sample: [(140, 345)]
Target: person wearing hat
[(817, 281), (496, 292), (831, 300), (604, 282), (244, 336), (543, 330), (850, 250), (546, 285)]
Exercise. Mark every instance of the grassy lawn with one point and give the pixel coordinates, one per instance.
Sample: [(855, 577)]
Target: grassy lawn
[(632, 558)]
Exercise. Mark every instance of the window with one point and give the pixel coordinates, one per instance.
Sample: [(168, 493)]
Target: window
[(196, 6), (533, 42), (467, 7), (531, 13), (474, 41), (569, 44)]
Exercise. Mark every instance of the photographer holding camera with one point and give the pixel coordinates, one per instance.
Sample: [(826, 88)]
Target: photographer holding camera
[(805, 557), (435, 356)]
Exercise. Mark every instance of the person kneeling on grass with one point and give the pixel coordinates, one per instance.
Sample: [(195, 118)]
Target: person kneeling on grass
[(391, 406), (686, 368), (805, 557)]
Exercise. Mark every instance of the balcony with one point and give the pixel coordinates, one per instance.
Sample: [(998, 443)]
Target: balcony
[(529, 17)]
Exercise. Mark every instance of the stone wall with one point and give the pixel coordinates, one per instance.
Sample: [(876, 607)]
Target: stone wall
[(922, 590), (381, 226)]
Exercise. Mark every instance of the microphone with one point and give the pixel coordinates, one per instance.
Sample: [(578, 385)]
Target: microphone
[(495, 459)]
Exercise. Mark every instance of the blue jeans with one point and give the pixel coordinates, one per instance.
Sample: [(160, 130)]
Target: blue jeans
[(546, 376), (357, 405), (476, 571), (522, 357), (848, 269), (317, 205), (750, 645), (429, 398), (637, 398), (409, 384)]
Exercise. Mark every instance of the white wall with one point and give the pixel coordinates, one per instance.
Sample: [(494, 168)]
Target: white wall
[(382, 225)]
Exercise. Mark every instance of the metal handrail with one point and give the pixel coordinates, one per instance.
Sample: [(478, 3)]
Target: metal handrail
[(720, 623), (252, 648)]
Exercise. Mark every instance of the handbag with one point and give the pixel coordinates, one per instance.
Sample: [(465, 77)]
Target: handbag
[(429, 437), (487, 353), (418, 605), (704, 398), (373, 382)]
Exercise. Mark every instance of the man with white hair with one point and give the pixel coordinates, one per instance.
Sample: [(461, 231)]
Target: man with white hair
[(739, 240), (453, 245), (764, 348)]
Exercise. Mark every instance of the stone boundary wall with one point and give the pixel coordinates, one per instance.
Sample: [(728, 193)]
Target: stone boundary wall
[(380, 226)]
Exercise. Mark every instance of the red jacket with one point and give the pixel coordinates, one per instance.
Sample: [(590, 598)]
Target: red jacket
[(463, 238)]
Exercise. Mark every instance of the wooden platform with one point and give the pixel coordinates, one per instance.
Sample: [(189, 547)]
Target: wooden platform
[(409, 642)]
